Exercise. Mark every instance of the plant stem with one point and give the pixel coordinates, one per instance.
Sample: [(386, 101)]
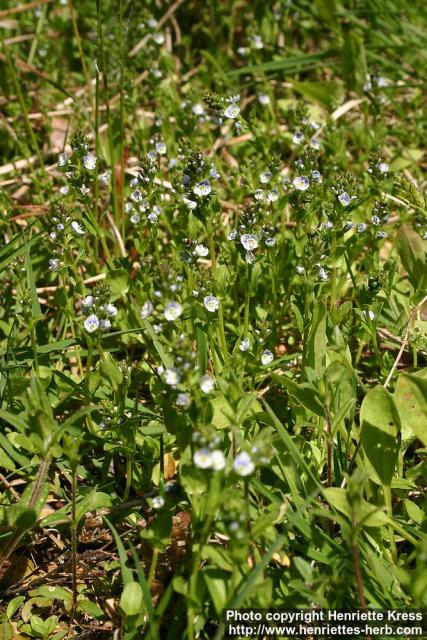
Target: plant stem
[(80, 48), (35, 494), (74, 536)]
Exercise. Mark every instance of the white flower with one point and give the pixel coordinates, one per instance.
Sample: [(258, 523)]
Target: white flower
[(257, 42), (249, 241), (84, 190), (207, 383), (298, 137), (89, 161), (135, 218), (183, 400), (361, 228), (152, 217), (198, 109), (136, 195), (54, 264), (243, 464), (383, 167), (191, 204), (172, 310), (214, 173), (64, 190), (232, 111), (146, 310), (263, 99), (172, 376), (105, 324), (111, 309), (104, 178), (62, 159), (270, 242), (158, 38), (217, 460), (91, 323), (232, 235), (382, 82), (273, 195), (245, 344), (316, 176), (265, 177), (202, 188), (323, 274), (301, 183), (88, 302), (259, 195), (203, 458), (267, 357), (161, 148), (211, 303), (158, 502), (300, 270), (344, 198), (77, 228), (201, 250), (369, 314)]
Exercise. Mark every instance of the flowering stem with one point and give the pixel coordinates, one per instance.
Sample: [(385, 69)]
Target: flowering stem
[(128, 477), (80, 48), (222, 338), (246, 314), (122, 131), (153, 565), (88, 365)]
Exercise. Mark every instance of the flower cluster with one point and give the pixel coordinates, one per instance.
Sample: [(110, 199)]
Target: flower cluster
[(98, 310)]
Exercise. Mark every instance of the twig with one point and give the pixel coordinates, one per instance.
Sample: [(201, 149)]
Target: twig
[(23, 7), (405, 340)]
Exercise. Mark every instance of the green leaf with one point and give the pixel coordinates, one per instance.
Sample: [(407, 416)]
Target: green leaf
[(126, 572), (131, 600), (118, 280), (353, 59), (110, 370), (410, 397), (412, 253), (304, 393), (371, 515), (91, 608), (380, 434), (316, 341), (326, 93), (414, 512), (21, 517), (13, 606), (42, 628), (56, 593), (91, 502), (216, 582)]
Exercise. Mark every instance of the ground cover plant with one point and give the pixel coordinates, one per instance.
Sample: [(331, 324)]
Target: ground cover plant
[(213, 385)]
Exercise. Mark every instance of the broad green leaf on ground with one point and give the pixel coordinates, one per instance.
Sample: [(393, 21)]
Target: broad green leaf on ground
[(410, 398), (380, 433)]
